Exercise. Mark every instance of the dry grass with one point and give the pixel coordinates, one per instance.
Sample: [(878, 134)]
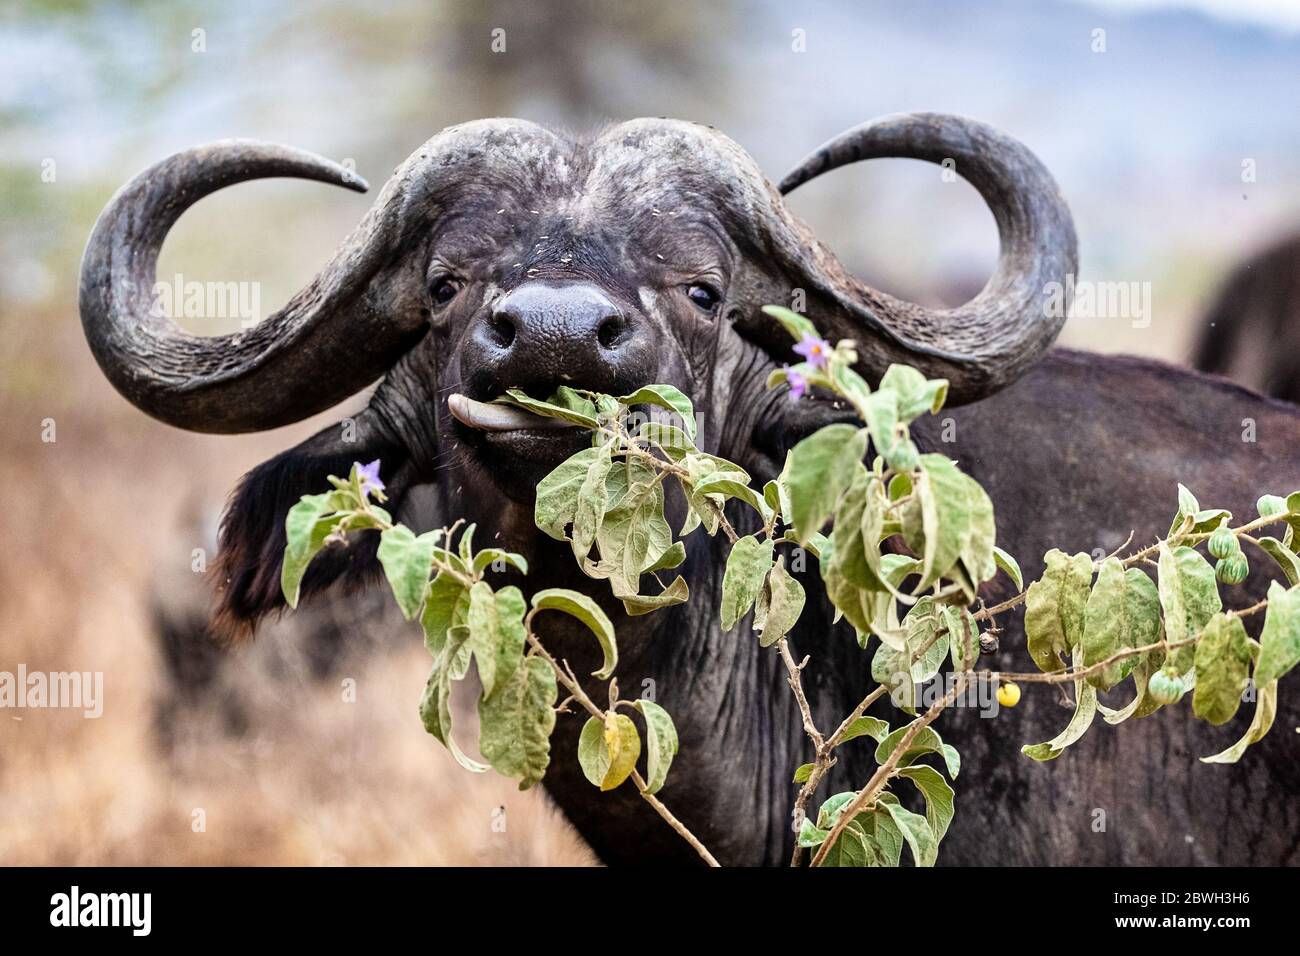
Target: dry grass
[(91, 530)]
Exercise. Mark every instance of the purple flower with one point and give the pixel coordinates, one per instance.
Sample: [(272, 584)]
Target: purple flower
[(798, 384), (369, 475), (816, 351)]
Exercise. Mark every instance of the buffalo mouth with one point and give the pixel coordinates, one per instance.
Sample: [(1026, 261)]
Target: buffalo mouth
[(517, 448)]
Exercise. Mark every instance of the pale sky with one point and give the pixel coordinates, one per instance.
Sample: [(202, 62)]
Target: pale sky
[(1279, 14)]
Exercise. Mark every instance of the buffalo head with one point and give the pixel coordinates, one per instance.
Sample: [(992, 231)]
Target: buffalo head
[(503, 255)]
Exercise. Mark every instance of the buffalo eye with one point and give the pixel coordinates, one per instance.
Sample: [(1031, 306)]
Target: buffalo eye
[(704, 297), (444, 290)]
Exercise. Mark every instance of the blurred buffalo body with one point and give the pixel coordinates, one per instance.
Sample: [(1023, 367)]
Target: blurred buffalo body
[(1251, 333)]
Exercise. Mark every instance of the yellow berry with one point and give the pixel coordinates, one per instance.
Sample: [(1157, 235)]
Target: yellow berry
[(1008, 695)]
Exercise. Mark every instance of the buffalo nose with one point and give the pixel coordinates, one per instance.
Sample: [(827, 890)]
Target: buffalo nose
[(543, 335)]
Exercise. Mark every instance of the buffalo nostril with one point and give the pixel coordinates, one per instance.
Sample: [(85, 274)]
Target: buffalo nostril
[(609, 331), (502, 330)]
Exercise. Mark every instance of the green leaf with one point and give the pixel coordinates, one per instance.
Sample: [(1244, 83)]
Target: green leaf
[(490, 556), (1085, 709), (1280, 639), (938, 801), (608, 750), (557, 493), (634, 536), (515, 723), (588, 612), (1189, 596), (672, 558), (957, 524), (785, 600), (306, 527), (435, 704), (1055, 608), (1123, 611), (675, 593), (747, 566), (963, 637), (674, 442), (1222, 664), (1265, 712), (795, 324), (1009, 565), (727, 485), (810, 834), (849, 848), (661, 743), (872, 727), (446, 604), (665, 396), (406, 560), (916, 394), (1286, 559), (820, 468), (916, 831), (571, 409), (496, 632), (802, 773), (593, 500), (926, 741), (1188, 506)]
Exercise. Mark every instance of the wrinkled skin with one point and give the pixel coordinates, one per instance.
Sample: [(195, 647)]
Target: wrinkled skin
[(1076, 454)]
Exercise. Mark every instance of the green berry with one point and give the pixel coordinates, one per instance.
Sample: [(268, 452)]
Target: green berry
[(1232, 569), (1165, 687), (1223, 543)]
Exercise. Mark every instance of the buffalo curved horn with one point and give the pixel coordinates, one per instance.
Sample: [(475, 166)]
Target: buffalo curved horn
[(281, 370), (991, 340), (345, 329)]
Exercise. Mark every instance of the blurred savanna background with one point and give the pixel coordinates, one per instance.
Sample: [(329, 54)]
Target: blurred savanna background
[(1171, 126)]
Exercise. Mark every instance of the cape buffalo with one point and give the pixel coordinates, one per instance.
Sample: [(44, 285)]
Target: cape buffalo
[(502, 254), (1252, 331)]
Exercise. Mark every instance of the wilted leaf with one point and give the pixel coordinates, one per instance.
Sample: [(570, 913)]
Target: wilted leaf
[(515, 722), (1189, 596), (557, 493), (1123, 611), (747, 565), (1222, 664), (820, 468), (675, 593), (1286, 559), (1265, 712), (446, 604), (608, 750), (661, 743), (589, 613), (435, 704), (785, 600), (1280, 639), (1055, 608), (1085, 709)]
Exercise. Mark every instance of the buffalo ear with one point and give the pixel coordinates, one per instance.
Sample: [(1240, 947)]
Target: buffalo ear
[(252, 538)]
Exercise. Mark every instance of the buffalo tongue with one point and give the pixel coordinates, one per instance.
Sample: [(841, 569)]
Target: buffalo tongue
[(497, 418)]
